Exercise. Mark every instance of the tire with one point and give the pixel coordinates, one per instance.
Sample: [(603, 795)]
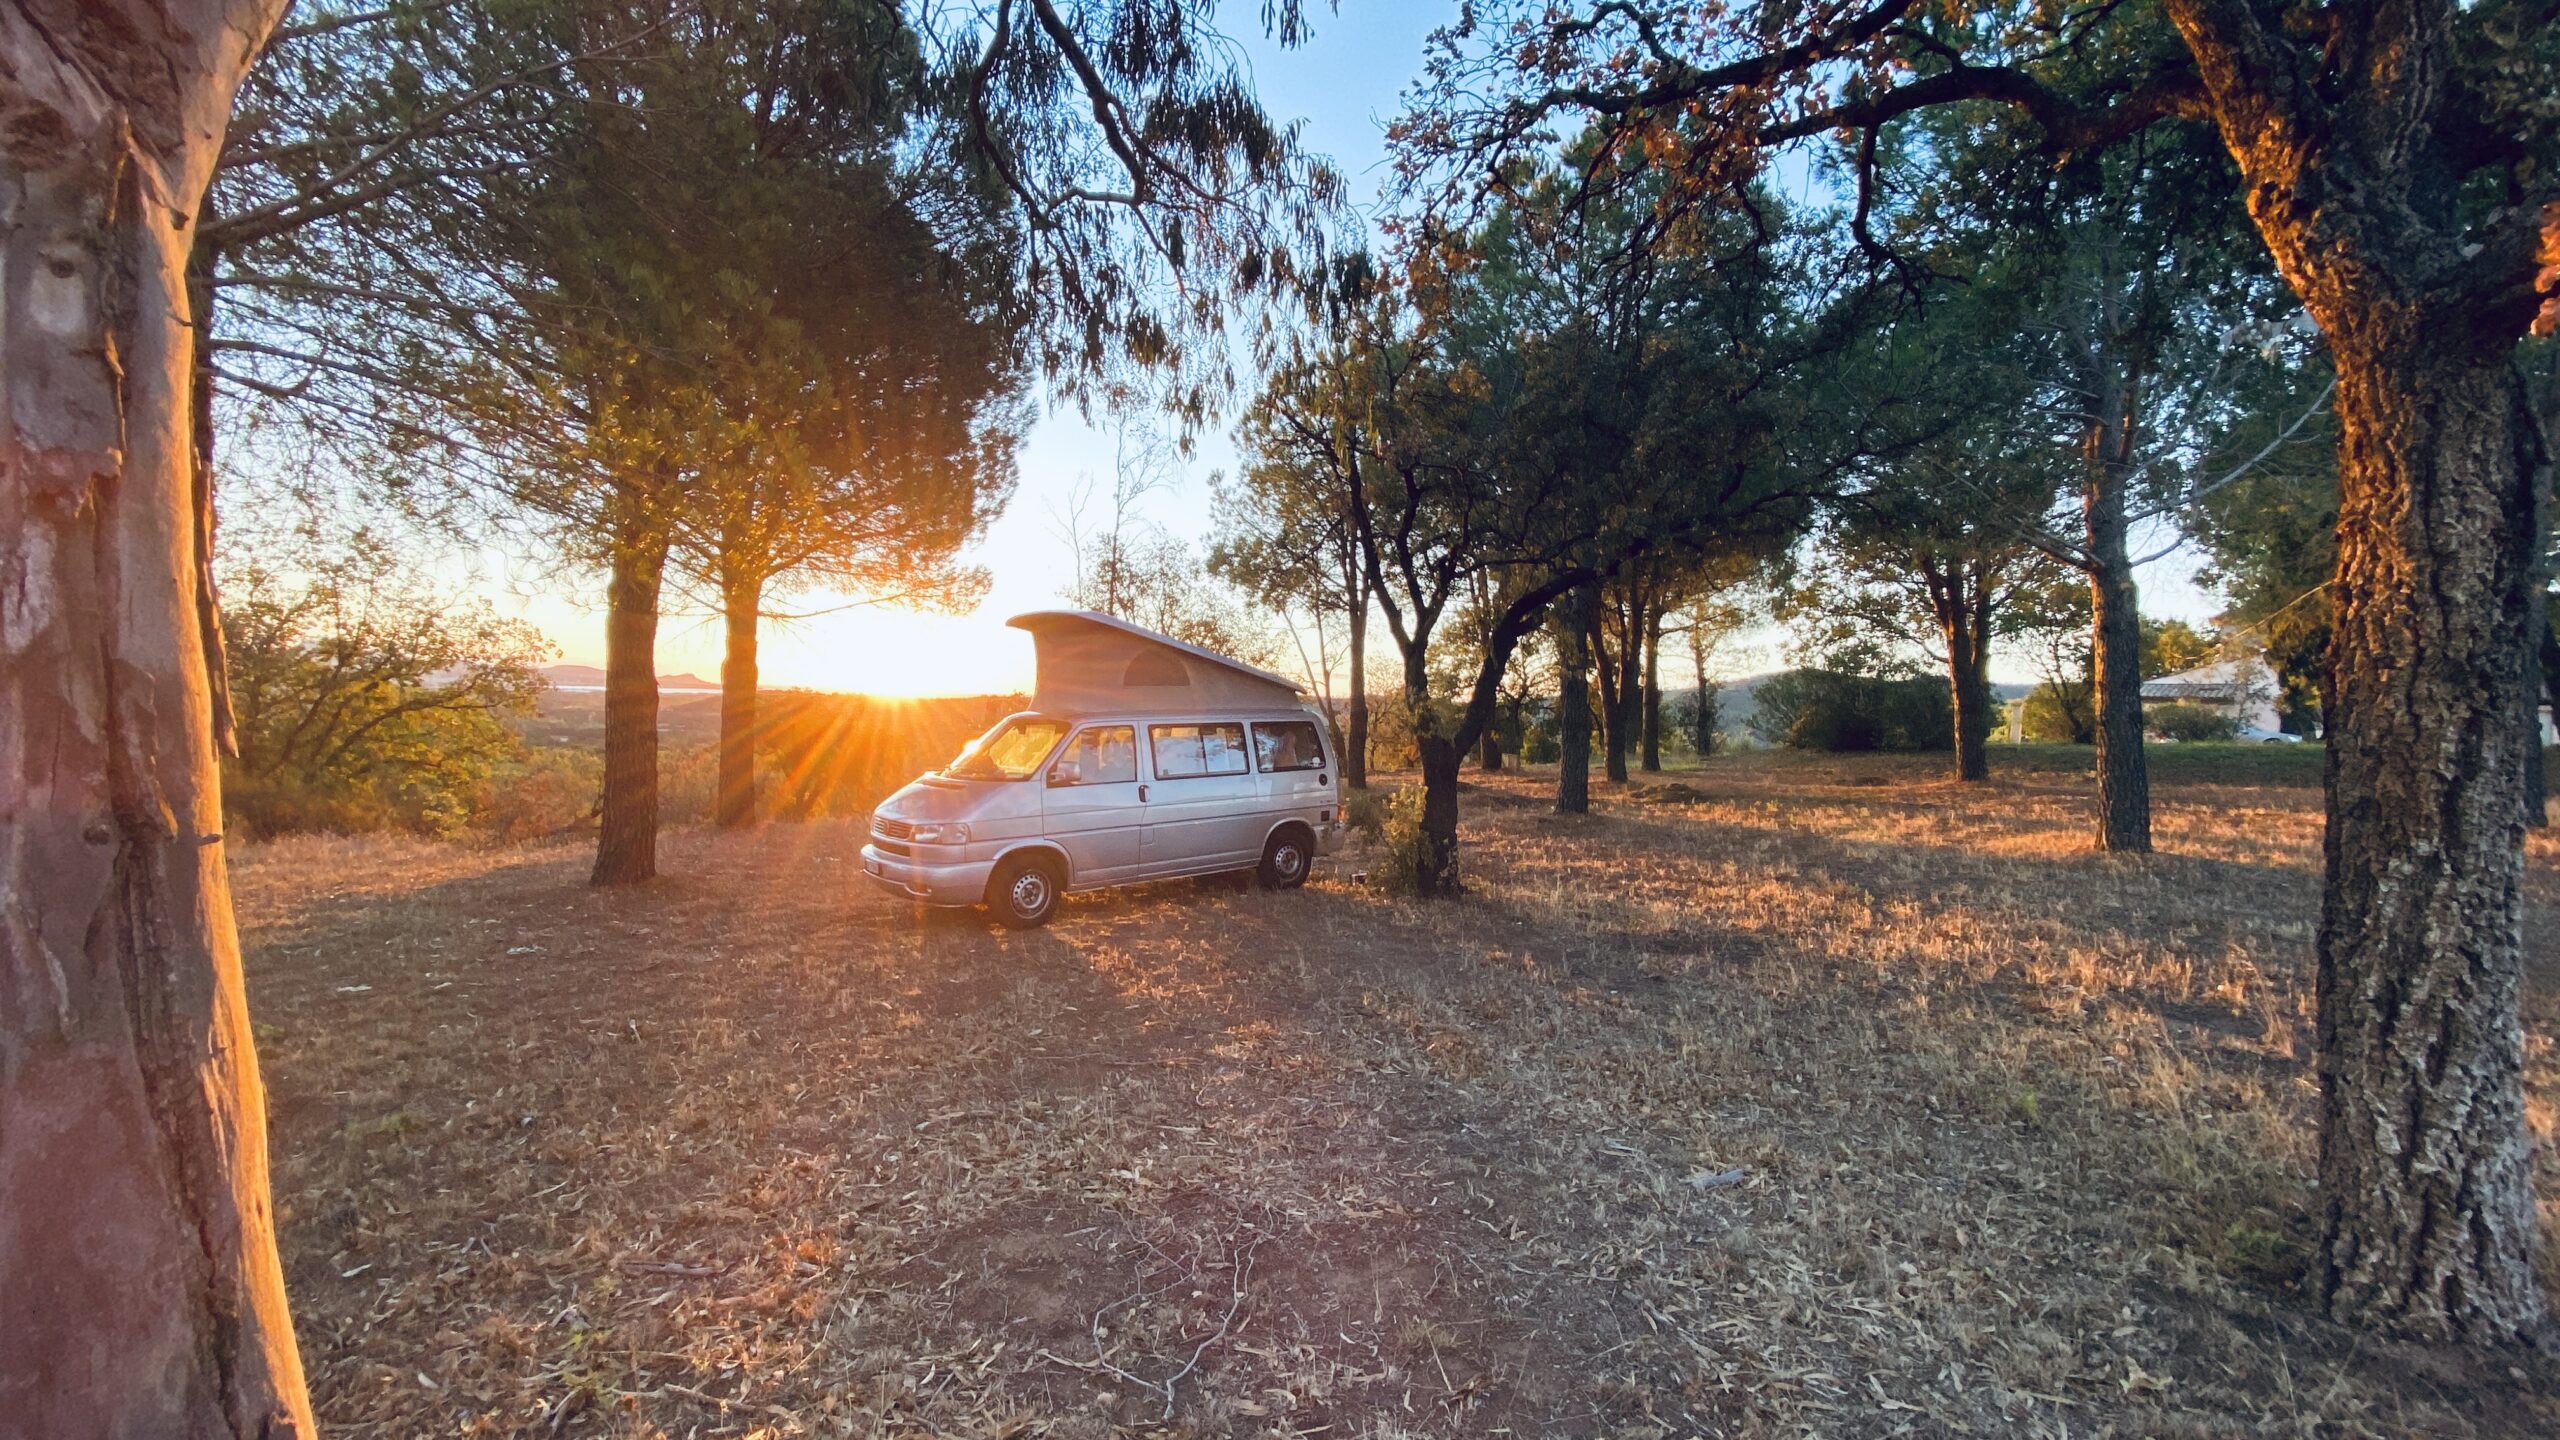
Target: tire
[(1286, 859), (1023, 893)]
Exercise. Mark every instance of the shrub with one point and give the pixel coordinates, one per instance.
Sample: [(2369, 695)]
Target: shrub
[(688, 782), (2063, 715), (1538, 744), (263, 807), (1365, 811), (2181, 721), (363, 699), (553, 788), (1401, 843), (1828, 710)]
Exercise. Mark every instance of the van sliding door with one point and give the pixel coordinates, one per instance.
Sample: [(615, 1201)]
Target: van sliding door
[(1203, 809)]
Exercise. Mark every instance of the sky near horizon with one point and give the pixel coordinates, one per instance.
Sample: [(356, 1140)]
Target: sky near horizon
[(1344, 86)]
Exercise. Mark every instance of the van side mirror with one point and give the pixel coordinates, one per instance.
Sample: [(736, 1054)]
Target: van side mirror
[(1065, 772)]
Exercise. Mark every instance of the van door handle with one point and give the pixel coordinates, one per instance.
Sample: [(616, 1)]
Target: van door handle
[(1142, 794)]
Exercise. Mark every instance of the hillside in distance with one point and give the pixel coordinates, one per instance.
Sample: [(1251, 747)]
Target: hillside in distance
[(590, 677)]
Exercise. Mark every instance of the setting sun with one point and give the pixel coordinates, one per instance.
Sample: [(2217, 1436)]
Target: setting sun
[(897, 653)]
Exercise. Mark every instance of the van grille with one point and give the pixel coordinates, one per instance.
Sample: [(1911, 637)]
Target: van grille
[(894, 829)]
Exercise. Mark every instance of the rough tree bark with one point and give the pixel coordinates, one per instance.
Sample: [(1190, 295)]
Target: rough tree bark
[(140, 1292), (627, 832), (2428, 1224), (1572, 626), (741, 601)]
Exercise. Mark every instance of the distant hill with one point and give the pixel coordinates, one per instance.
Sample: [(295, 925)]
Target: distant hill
[(588, 677)]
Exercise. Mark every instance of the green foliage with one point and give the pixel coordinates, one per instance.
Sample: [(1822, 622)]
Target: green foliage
[(1366, 811), (2171, 646), (2062, 712), (1391, 730), (1539, 745), (1832, 711), (366, 701), (1403, 847), (2179, 720)]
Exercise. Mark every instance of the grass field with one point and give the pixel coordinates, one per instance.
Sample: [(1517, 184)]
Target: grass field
[(1793, 1095)]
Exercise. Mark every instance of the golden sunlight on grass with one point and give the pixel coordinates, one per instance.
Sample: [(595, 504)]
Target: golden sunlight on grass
[(1766, 1102)]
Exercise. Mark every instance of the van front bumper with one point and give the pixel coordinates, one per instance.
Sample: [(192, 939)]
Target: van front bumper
[(1330, 835), (960, 882)]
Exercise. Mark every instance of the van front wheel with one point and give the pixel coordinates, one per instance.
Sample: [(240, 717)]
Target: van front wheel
[(1023, 893), (1285, 860)]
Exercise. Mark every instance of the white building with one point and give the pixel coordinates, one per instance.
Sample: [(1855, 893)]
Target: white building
[(2245, 689)]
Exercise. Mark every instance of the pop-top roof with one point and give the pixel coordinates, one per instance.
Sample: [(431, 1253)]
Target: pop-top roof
[(1092, 663)]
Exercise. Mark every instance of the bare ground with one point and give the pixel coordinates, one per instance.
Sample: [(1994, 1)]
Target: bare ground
[(1780, 1102)]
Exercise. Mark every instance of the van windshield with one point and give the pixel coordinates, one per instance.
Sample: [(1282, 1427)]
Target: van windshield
[(1011, 751)]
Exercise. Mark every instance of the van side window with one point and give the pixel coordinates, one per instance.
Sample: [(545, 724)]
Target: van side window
[(1287, 745), (1187, 752), (1104, 755)]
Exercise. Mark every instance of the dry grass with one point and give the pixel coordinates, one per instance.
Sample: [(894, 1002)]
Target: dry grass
[(1784, 1105)]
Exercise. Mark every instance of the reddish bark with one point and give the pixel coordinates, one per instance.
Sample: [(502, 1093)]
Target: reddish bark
[(140, 1292)]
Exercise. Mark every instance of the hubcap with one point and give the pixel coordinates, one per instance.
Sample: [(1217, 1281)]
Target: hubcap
[(1289, 862), (1030, 892)]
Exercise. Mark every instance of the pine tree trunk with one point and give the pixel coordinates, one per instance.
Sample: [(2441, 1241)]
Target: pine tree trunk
[(1355, 756), (140, 1292), (2124, 775), (1649, 745), (627, 835), (1573, 705), (2428, 1225), (741, 597)]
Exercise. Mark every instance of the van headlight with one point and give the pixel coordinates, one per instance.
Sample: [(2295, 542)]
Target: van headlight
[(945, 833)]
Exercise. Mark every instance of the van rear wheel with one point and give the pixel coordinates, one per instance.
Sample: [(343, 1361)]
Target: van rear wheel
[(1023, 893), (1286, 858)]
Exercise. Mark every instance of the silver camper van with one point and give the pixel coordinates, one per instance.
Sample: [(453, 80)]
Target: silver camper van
[(1141, 758)]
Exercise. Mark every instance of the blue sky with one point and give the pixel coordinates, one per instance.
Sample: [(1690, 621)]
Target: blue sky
[(1344, 87)]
